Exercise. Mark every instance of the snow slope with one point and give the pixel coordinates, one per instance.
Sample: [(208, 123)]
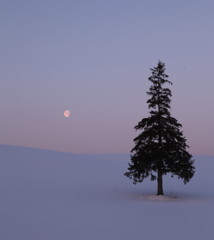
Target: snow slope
[(47, 195)]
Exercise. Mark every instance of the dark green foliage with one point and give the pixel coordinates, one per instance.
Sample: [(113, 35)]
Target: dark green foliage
[(160, 148)]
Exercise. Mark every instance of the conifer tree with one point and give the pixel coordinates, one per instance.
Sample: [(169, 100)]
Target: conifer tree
[(160, 148)]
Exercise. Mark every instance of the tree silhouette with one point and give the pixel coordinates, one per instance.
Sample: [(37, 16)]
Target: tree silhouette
[(160, 148)]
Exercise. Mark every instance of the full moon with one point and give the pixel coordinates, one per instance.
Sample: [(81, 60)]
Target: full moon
[(67, 113)]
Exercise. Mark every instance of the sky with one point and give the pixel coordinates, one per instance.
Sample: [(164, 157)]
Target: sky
[(94, 58)]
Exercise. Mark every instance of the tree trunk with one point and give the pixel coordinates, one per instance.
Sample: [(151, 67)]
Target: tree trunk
[(160, 183)]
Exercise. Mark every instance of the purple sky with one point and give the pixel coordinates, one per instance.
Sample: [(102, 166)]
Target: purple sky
[(93, 58)]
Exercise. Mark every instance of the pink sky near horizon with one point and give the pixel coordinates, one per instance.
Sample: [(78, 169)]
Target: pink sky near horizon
[(94, 58)]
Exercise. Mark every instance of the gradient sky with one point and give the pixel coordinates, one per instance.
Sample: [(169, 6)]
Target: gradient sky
[(93, 57)]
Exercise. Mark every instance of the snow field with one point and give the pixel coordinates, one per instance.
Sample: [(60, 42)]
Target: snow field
[(49, 195)]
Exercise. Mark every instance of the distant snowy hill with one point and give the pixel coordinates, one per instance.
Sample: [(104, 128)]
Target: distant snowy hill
[(46, 195)]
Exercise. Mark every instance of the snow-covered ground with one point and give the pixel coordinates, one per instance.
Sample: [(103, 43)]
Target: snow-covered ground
[(47, 195)]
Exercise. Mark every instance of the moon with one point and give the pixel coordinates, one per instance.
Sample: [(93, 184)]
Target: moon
[(67, 113)]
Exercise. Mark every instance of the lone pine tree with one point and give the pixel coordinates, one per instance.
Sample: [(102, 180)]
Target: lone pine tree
[(160, 148)]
